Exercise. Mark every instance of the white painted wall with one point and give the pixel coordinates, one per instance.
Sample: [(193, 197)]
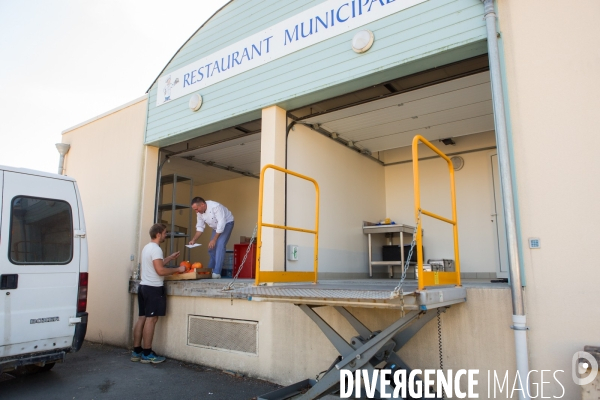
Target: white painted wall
[(352, 189), (474, 199)]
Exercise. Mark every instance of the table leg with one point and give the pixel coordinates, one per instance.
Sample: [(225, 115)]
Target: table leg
[(402, 251), (370, 258)]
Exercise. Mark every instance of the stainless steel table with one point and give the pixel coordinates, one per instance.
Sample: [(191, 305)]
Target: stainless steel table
[(401, 229)]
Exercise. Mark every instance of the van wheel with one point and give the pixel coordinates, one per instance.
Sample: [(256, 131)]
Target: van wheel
[(47, 367), (34, 369)]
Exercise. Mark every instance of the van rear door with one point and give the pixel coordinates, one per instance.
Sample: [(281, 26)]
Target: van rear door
[(39, 263)]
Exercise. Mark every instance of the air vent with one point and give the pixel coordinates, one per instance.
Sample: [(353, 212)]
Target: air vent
[(234, 335)]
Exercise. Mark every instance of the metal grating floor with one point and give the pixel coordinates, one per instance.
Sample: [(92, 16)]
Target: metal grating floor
[(320, 292), (358, 294)]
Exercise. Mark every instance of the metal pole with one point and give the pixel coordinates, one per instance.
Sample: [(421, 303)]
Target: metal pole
[(519, 318)]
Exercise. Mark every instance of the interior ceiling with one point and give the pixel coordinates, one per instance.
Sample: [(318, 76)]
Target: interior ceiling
[(450, 101), (222, 161), (455, 108)]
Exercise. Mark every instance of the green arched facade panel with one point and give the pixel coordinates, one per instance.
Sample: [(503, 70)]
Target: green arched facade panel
[(429, 34)]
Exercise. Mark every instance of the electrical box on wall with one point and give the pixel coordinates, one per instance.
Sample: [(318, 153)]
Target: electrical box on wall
[(292, 252)]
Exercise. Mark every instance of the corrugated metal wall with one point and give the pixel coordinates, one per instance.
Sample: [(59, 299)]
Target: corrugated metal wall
[(424, 36)]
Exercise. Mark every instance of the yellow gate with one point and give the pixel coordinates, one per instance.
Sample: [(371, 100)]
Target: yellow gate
[(434, 278), (284, 276)]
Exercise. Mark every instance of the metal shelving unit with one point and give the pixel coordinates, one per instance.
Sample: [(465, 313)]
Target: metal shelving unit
[(166, 212)]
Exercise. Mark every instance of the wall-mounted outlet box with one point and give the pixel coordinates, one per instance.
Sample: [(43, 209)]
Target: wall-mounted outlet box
[(292, 252), (534, 243)]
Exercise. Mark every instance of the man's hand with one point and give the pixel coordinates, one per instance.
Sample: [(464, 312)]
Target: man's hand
[(212, 244), (192, 242), (175, 255), (181, 269)]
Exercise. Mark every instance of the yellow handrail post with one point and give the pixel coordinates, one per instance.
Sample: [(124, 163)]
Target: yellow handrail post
[(259, 227), (431, 278), (282, 276)]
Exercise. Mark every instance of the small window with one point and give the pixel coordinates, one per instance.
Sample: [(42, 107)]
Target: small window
[(41, 231)]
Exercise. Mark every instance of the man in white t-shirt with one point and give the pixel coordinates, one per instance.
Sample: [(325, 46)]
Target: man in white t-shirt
[(152, 299), (220, 219)]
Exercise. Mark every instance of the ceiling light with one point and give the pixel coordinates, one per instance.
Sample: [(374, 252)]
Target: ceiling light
[(362, 41), (195, 102), (448, 141)]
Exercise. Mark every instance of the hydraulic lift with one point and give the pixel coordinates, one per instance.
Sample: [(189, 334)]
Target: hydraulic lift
[(368, 349)]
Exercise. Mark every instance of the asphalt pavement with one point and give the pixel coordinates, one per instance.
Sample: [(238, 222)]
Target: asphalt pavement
[(99, 372)]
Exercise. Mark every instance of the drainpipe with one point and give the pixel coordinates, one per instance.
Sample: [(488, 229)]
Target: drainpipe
[(519, 318), (63, 149)]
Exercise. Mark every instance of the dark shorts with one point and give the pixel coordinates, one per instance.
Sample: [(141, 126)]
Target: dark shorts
[(152, 301)]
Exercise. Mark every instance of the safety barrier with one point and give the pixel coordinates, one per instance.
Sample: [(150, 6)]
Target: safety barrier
[(434, 278), (285, 276)]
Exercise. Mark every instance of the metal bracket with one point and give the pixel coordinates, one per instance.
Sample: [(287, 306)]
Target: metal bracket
[(519, 328)]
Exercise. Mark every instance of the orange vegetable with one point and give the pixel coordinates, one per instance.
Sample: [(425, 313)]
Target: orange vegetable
[(185, 264), (197, 265)]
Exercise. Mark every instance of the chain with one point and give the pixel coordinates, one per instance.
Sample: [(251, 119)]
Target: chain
[(230, 285), (397, 292), (439, 329)]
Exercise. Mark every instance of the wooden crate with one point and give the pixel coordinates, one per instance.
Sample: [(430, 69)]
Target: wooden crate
[(197, 274)]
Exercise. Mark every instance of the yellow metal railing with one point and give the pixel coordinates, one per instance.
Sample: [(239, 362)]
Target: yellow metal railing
[(284, 276), (433, 278)]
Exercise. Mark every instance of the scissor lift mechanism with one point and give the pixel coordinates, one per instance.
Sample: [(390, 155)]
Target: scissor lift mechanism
[(369, 348)]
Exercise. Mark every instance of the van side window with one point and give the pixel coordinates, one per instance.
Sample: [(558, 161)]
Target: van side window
[(41, 231)]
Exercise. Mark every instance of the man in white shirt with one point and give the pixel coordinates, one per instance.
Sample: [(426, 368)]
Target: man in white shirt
[(152, 299), (220, 219)]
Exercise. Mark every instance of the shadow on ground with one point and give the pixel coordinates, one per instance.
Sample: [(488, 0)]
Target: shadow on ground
[(105, 372)]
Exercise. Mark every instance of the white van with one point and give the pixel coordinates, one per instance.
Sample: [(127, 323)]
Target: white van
[(43, 268)]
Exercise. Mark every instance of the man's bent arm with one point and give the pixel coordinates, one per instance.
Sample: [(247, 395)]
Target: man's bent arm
[(161, 270), (196, 236)]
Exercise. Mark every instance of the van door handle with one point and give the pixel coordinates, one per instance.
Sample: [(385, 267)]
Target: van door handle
[(79, 233), (9, 281)]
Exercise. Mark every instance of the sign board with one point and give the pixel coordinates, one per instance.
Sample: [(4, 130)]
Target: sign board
[(319, 23)]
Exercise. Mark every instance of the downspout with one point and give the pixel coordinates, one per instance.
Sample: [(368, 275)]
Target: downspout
[(63, 149), (519, 317)]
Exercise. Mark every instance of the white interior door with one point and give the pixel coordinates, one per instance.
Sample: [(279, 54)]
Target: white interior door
[(499, 227)]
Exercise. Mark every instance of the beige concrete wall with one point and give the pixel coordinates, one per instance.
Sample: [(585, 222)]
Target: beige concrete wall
[(352, 190), (474, 199), (107, 158), (147, 201), (291, 347), (272, 151), (553, 86)]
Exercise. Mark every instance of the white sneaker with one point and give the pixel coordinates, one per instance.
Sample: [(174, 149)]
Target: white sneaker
[(216, 276)]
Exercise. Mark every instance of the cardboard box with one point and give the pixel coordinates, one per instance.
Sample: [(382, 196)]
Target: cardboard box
[(199, 273)]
